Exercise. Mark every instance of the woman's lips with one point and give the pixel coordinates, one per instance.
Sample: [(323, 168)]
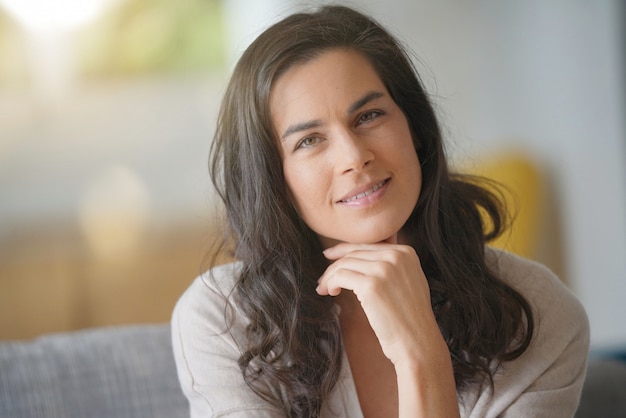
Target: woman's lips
[(365, 193)]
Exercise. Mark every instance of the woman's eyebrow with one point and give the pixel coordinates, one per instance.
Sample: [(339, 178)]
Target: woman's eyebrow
[(364, 100), (298, 127)]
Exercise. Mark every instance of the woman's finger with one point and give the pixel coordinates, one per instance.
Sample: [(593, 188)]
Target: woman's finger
[(340, 250), (343, 278), (366, 251)]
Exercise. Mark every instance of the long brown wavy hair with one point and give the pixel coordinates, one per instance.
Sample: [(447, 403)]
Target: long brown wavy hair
[(294, 350)]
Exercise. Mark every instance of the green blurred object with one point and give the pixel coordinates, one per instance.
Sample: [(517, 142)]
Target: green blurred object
[(154, 36), (13, 58)]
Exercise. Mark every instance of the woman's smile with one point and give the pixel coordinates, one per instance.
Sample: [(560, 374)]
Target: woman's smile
[(368, 196)]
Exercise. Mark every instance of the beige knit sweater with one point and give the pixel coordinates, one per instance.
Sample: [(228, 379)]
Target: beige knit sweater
[(545, 381)]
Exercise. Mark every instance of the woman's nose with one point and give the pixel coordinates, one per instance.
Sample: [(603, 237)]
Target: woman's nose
[(353, 153)]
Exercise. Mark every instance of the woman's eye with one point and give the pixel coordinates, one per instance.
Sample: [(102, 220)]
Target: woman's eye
[(369, 116), (307, 142)]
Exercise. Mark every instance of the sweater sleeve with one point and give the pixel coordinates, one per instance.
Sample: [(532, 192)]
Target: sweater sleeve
[(206, 352), (546, 381)]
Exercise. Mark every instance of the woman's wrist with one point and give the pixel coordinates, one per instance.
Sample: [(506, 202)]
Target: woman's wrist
[(426, 384)]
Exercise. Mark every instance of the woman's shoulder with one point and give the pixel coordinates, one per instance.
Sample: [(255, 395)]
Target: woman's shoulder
[(219, 280), (207, 299), (546, 380), (558, 314), (207, 338), (543, 289)]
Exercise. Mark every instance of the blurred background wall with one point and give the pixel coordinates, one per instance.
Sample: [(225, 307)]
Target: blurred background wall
[(105, 124)]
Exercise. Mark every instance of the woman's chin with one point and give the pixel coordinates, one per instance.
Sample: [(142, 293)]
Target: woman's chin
[(365, 238)]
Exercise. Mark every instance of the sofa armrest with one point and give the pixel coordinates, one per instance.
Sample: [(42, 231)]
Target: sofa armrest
[(117, 372), (604, 391)]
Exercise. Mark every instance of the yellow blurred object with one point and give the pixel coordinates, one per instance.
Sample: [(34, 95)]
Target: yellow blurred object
[(524, 192)]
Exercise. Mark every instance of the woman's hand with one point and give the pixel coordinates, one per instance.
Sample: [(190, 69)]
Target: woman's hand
[(390, 284)]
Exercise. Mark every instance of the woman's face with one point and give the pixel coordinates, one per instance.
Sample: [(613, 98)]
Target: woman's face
[(348, 155)]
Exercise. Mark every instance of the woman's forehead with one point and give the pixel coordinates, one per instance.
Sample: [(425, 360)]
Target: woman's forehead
[(335, 75)]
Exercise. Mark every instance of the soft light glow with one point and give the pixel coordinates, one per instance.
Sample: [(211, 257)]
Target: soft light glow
[(114, 211), (50, 31), (54, 14)]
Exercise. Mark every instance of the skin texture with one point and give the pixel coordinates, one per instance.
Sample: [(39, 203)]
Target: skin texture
[(342, 135)]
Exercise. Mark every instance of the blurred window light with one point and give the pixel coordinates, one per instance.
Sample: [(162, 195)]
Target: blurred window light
[(154, 36), (106, 39), (54, 14)]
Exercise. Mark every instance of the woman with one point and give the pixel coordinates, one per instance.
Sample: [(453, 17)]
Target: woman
[(362, 285)]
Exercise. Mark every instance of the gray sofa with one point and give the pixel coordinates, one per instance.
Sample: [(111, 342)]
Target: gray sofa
[(129, 372), (121, 372)]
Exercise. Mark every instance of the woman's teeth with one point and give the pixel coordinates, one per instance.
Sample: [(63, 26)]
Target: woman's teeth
[(360, 195)]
